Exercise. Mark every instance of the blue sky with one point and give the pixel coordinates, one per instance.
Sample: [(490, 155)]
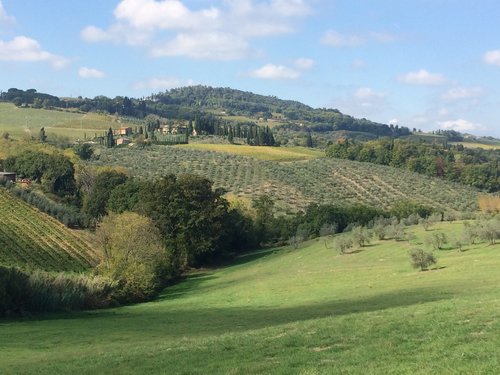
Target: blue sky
[(425, 64)]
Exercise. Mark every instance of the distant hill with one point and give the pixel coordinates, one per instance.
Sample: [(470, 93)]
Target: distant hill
[(195, 102), (31, 239)]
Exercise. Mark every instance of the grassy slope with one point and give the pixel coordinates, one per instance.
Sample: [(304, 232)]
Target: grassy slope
[(20, 122), (294, 183), (260, 153), (287, 311), (29, 238)]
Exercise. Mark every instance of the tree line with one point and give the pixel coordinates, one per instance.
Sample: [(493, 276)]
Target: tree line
[(475, 167)]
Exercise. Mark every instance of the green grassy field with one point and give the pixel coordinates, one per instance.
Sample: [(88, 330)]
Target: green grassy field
[(260, 153), (294, 183), (284, 311), (30, 238), (26, 122)]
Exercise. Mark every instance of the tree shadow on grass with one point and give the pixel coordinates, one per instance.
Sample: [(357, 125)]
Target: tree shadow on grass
[(161, 318), (218, 320)]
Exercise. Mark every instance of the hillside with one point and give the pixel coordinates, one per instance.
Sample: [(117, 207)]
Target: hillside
[(284, 311), (294, 183), (31, 239)]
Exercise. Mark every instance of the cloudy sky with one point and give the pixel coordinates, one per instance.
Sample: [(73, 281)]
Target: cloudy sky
[(425, 64)]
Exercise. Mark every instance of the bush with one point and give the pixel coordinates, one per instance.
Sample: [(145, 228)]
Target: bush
[(22, 292), (422, 259)]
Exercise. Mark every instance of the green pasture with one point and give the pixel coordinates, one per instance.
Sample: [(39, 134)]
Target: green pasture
[(260, 152), (288, 311), (26, 122)]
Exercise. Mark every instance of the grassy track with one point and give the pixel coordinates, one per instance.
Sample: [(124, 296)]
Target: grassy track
[(260, 153), (29, 238), (283, 311)]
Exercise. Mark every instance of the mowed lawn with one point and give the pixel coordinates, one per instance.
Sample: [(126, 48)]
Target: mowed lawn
[(260, 152), (288, 311)]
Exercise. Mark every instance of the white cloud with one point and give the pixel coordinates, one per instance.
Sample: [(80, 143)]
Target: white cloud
[(271, 71), (25, 49), (165, 83), (422, 78), (171, 28), (336, 39), (210, 46), (4, 17), (363, 102), (85, 72), (393, 121), (460, 125), (492, 57), (458, 93), (304, 63), (358, 64)]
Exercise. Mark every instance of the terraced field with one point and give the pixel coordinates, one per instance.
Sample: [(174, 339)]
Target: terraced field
[(295, 184), (29, 238)]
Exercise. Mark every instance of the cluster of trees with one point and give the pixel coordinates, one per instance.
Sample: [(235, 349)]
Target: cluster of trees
[(55, 172), (30, 97), (474, 167), (252, 133)]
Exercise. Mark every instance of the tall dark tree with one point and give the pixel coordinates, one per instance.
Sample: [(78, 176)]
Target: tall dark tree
[(41, 135), (110, 140)]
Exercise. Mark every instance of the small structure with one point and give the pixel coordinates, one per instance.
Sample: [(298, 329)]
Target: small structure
[(125, 130), (24, 182), (11, 176), (122, 141)]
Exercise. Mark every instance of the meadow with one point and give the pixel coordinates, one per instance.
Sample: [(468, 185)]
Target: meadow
[(285, 311), (259, 153), (26, 122), (32, 239), (294, 178)]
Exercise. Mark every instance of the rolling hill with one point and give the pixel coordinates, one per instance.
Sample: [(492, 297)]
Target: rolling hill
[(284, 311), (31, 239), (295, 178)]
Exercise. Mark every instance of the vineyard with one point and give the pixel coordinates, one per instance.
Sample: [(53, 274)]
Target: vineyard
[(31, 239), (296, 183)]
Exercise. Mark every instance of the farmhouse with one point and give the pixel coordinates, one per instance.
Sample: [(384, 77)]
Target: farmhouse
[(173, 129), (122, 141), (11, 176), (125, 130)]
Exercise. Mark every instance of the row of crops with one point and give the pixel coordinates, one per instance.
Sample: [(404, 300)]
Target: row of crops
[(295, 184), (31, 239)]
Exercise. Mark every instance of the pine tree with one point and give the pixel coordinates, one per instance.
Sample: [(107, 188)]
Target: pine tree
[(309, 141), (110, 141), (230, 136)]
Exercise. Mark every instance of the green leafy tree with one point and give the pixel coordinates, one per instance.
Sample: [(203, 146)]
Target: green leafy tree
[(95, 203), (422, 259), (132, 254), (83, 150), (191, 217)]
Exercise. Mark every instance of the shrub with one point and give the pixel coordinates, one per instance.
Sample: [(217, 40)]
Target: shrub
[(422, 259), (22, 292)]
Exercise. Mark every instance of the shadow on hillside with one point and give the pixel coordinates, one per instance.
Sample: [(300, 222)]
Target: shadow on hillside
[(252, 256), (158, 318), (233, 319)]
